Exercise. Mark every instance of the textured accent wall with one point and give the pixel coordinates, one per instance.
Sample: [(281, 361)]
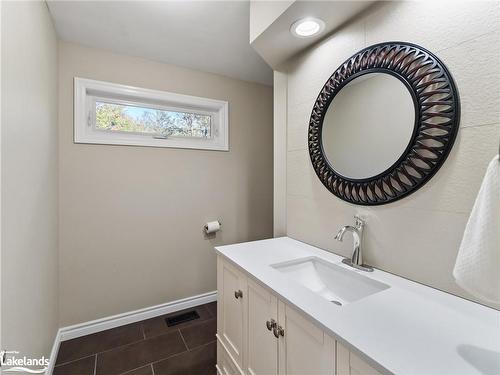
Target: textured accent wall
[(417, 237), (131, 217)]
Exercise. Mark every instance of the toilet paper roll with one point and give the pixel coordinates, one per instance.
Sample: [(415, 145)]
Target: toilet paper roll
[(212, 227)]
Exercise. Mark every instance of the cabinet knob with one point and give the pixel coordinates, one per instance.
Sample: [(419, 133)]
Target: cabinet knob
[(271, 324), (238, 294), (278, 331)]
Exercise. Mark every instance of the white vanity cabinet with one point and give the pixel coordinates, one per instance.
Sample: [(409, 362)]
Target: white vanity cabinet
[(231, 285), (348, 363), (261, 351), (304, 348), (258, 334), (295, 283)]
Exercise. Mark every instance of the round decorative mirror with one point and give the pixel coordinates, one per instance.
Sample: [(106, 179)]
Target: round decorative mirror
[(383, 123), (376, 107)]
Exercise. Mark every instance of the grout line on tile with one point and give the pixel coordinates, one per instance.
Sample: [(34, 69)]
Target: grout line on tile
[(135, 342), (184, 341), (206, 343), (102, 352), (152, 368), (74, 360), (95, 365), (134, 369), (177, 354), (108, 350)]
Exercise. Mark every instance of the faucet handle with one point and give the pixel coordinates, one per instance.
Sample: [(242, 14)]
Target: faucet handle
[(360, 223)]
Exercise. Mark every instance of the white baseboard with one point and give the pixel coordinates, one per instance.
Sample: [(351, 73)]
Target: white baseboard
[(87, 328), (53, 353), (94, 326)]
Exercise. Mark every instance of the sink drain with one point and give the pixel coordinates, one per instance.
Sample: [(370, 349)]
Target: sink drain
[(336, 302)]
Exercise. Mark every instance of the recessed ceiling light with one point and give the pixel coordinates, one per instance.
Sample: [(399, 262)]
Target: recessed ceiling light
[(307, 27)]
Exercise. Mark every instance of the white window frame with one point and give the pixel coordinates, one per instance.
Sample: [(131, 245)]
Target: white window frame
[(88, 91)]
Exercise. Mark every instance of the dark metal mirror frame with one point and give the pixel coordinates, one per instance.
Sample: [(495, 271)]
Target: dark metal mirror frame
[(437, 114)]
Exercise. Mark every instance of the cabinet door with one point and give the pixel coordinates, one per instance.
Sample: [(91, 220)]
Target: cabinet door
[(348, 363), (230, 284), (262, 346), (225, 365), (304, 348)]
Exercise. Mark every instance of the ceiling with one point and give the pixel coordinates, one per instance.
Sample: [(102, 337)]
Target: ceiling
[(212, 36), (276, 44)]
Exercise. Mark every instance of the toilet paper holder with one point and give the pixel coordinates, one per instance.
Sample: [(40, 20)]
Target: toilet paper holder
[(212, 227)]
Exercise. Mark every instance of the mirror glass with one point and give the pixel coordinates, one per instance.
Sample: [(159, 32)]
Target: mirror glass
[(368, 125)]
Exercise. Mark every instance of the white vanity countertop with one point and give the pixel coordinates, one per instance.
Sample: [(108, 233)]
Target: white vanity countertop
[(406, 329)]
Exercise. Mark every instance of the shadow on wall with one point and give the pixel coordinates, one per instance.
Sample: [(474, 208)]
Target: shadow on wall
[(484, 360)]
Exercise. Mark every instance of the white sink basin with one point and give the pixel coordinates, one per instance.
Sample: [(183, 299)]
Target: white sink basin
[(334, 283)]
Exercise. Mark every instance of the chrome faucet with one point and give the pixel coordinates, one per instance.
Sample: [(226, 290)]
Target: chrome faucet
[(356, 260)]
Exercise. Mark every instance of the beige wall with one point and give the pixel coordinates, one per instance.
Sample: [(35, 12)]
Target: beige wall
[(279, 151), (29, 179), (131, 217), (264, 13), (417, 237)]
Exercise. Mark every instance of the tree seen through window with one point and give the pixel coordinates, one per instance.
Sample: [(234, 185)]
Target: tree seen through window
[(123, 118)]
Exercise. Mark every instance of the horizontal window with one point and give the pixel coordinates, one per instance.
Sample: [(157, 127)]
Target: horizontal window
[(107, 113)]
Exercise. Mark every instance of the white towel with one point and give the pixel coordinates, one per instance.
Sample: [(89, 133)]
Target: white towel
[(477, 268)]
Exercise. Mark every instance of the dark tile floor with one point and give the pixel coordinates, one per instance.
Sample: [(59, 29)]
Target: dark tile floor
[(149, 347)]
